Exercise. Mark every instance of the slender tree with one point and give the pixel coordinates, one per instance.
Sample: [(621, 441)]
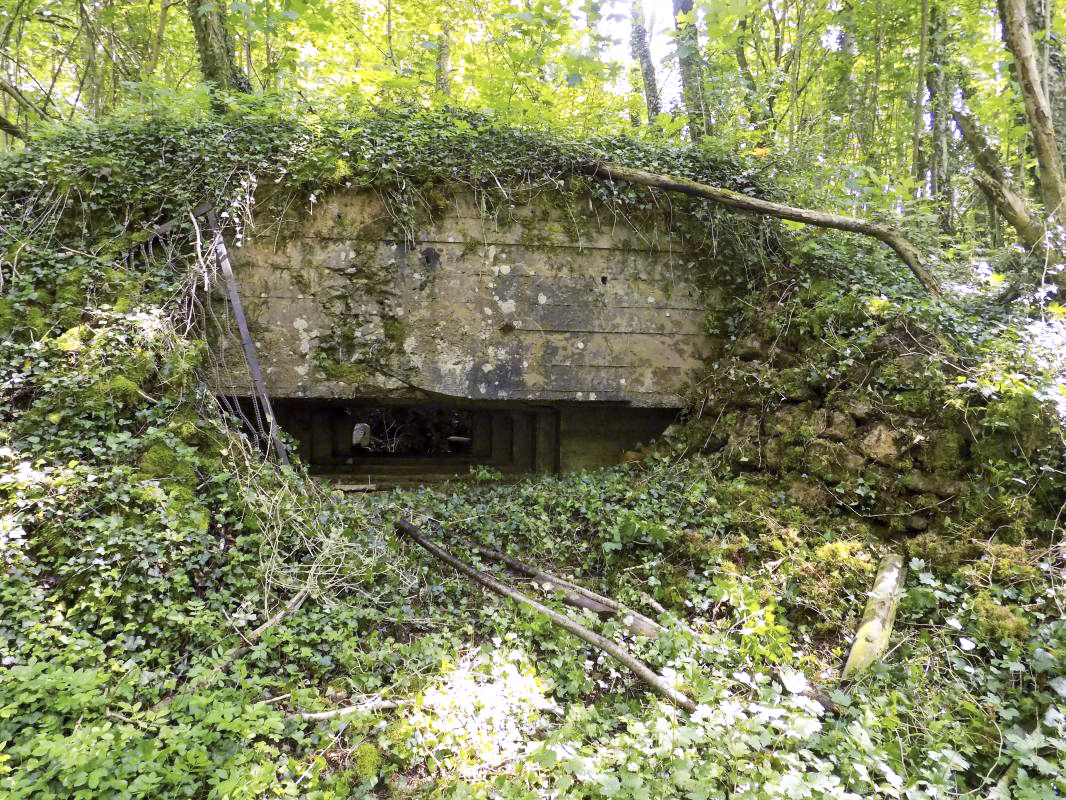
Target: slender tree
[(1037, 110), (919, 94), (218, 62), (1051, 62), (641, 51), (940, 108), (691, 69), (444, 60)]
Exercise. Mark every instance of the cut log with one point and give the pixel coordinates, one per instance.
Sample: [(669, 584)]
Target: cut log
[(872, 639), (618, 653), (902, 246)]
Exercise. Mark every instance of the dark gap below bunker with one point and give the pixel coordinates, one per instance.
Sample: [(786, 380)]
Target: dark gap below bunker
[(360, 443)]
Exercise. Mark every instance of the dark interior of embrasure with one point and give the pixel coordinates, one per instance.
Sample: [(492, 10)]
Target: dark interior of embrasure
[(369, 444)]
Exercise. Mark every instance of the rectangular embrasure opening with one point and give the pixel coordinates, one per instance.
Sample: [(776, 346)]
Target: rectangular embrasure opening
[(391, 444)]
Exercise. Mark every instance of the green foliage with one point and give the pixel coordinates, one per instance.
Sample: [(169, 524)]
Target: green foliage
[(140, 536)]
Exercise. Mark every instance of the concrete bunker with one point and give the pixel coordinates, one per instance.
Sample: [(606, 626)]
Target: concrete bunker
[(537, 337)]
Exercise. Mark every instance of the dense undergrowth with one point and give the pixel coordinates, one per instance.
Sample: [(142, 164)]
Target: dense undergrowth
[(143, 538)]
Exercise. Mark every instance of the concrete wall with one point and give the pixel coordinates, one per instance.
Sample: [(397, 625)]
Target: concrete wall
[(593, 436), (531, 303)]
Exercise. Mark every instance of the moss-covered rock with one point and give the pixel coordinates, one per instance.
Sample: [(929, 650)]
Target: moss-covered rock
[(164, 462), (118, 388), (997, 621), (943, 451), (832, 462), (879, 444), (74, 339), (796, 384)]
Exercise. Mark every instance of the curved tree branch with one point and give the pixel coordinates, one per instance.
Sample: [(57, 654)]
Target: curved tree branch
[(903, 247), (11, 129)]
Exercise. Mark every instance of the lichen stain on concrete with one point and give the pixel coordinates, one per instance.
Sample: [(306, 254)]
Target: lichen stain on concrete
[(512, 292), (301, 324)]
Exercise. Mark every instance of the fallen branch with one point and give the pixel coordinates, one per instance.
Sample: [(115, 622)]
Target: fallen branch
[(619, 654), (377, 705), (11, 129), (902, 246), (577, 595), (19, 97)]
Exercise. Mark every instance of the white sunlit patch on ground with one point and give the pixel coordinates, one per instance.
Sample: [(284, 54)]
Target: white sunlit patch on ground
[(985, 281), (664, 753), (482, 716), (1042, 340), (1045, 341)]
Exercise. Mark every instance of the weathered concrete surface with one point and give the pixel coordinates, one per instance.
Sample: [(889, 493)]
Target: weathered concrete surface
[(536, 304)]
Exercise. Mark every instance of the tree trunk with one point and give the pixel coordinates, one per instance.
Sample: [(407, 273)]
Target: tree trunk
[(996, 183), (919, 96), (691, 69), (747, 77), (1037, 111), (218, 62), (157, 41), (940, 108), (444, 60), (1052, 63), (907, 252), (641, 51)]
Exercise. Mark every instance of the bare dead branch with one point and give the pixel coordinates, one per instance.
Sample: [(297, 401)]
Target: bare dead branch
[(619, 654)]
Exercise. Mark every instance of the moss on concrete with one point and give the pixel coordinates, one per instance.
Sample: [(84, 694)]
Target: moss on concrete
[(351, 373)]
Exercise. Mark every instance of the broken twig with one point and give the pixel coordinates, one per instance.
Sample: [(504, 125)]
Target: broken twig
[(377, 705)]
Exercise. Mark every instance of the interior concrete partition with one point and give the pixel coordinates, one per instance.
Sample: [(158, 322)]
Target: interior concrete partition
[(565, 333)]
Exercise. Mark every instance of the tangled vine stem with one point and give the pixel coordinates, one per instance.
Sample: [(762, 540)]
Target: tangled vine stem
[(902, 246)]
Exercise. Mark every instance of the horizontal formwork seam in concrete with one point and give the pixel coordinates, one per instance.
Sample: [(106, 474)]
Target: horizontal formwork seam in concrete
[(505, 243), (547, 331), (314, 296)]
